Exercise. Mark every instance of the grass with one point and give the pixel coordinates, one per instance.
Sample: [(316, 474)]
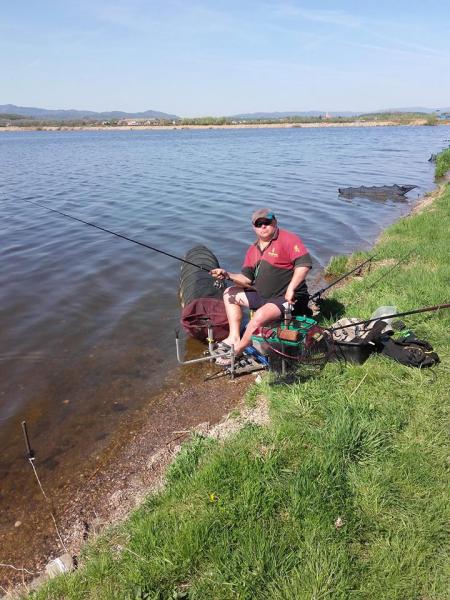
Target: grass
[(341, 264), (345, 494), (442, 163)]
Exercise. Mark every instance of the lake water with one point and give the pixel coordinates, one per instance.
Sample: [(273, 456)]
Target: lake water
[(87, 320)]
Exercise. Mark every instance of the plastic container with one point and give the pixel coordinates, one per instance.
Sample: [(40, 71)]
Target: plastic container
[(385, 310), (62, 564)]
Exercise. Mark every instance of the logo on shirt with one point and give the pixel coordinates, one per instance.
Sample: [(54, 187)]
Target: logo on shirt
[(272, 253), (296, 248)]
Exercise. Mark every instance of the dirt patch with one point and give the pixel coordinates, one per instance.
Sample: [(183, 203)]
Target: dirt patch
[(386, 262)]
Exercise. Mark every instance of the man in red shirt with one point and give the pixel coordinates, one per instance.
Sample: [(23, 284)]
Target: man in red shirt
[(273, 277)]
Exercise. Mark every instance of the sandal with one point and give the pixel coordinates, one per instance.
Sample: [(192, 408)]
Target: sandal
[(223, 361), (222, 348)]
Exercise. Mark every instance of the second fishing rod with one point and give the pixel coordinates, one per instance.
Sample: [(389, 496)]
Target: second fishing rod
[(317, 296)]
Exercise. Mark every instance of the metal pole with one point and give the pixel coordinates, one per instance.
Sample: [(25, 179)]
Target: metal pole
[(210, 338), (212, 356), (30, 451), (232, 361)]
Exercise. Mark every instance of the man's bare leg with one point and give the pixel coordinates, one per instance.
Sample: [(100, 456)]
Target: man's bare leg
[(234, 299), (264, 315)]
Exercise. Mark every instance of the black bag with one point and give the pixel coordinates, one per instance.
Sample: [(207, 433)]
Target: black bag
[(410, 351)]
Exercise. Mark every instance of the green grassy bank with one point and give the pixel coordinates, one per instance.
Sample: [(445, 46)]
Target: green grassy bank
[(443, 163), (343, 496)]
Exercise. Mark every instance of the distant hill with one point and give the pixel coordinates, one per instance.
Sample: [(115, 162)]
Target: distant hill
[(414, 109), (331, 113), (71, 115), (45, 114), (287, 114), (10, 117)]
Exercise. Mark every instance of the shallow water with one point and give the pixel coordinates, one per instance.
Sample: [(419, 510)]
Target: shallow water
[(87, 320)]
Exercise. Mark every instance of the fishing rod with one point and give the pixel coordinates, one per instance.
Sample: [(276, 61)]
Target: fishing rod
[(119, 235), (384, 317), (397, 264), (317, 294)]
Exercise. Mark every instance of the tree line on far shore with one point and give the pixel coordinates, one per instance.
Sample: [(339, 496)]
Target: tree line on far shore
[(18, 120)]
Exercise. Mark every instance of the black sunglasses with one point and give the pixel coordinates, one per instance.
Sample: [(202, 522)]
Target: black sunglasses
[(260, 222)]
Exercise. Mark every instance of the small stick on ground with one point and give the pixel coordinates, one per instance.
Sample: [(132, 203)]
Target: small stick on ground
[(358, 386)]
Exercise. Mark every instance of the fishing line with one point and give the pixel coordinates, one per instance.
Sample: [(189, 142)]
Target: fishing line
[(391, 269), (31, 457), (119, 235)]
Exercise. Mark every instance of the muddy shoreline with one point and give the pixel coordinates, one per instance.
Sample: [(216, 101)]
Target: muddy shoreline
[(108, 484)]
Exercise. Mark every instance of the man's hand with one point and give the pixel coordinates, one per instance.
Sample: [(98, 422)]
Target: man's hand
[(290, 296), (297, 278), (219, 274), (236, 278)]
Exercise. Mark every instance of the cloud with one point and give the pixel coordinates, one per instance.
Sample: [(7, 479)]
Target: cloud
[(409, 48), (372, 29), (402, 49), (141, 16), (328, 17)]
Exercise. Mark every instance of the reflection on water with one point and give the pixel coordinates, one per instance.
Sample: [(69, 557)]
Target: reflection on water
[(87, 320)]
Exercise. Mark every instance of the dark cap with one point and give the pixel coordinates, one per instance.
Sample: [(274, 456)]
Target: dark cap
[(262, 213)]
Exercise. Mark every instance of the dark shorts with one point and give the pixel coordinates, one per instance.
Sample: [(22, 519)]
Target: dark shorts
[(255, 301)]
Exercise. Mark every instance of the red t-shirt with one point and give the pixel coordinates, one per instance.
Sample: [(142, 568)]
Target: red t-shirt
[(271, 269)]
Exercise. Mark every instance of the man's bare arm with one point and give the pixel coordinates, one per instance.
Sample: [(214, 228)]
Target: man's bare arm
[(298, 278), (237, 278)]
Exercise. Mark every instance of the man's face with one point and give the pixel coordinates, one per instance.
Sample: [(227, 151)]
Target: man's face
[(264, 228)]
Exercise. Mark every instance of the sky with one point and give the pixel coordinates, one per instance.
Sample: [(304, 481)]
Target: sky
[(200, 57)]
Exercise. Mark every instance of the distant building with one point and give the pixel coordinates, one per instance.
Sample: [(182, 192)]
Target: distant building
[(137, 122)]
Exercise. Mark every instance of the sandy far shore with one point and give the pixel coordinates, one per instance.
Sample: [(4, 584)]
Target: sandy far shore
[(237, 126)]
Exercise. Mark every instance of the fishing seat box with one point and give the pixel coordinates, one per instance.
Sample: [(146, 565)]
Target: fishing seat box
[(291, 335), (286, 338)]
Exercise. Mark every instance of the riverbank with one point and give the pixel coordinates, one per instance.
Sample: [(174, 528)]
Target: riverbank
[(322, 124), (343, 493)]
